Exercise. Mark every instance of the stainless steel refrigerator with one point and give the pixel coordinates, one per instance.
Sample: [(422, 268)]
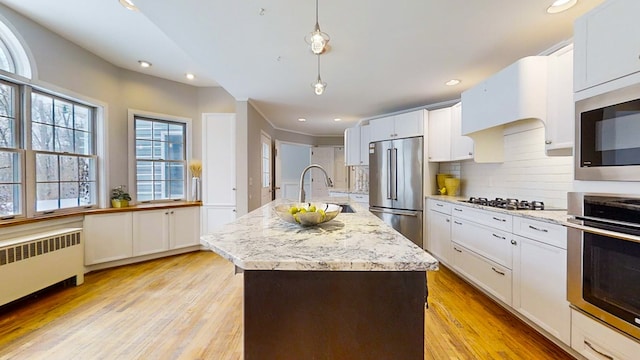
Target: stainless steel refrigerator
[(395, 184)]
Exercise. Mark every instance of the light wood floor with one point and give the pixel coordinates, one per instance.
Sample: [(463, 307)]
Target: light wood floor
[(190, 307)]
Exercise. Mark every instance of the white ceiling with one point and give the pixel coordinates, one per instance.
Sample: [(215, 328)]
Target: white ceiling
[(386, 56)]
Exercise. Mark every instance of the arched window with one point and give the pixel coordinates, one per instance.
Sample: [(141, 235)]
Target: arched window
[(13, 56)]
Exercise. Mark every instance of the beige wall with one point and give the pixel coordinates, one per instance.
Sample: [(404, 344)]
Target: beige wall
[(63, 67)]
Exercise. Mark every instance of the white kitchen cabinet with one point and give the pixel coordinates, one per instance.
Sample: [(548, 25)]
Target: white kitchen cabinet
[(150, 231), (397, 126), (596, 341), (560, 120), (218, 169), (607, 45), (356, 143), (485, 241), (352, 146), (156, 231), (108, 237), (184, 227), (492, 219), (438, 242), (446, 142), (364, 145), (215, 217), (540, 278), (461, 146), (439, 134), (492, 277)]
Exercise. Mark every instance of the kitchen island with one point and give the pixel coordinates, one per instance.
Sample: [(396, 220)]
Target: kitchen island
[(351, 288)]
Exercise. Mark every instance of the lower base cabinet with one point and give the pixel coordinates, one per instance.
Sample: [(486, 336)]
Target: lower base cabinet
[(127, 234), (213, 217), (493, 278), (108, 237), (596, 341)]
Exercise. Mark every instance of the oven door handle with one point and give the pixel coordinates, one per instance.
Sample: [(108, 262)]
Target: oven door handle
[(603, 232)]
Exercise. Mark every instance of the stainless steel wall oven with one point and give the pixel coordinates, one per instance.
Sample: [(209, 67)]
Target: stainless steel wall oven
[(603, 262)]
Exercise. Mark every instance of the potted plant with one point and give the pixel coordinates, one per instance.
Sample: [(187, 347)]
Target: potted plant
[(120, 197)]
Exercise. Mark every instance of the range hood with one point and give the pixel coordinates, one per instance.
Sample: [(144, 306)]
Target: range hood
[(518, 92)]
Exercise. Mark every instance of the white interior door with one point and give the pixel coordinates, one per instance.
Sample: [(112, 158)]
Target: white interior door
[(265, 161), (324, 157), (291, 159)]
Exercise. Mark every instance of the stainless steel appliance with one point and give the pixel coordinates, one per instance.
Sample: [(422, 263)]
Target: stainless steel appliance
[(607, 141), (395, 184), (603, 258)]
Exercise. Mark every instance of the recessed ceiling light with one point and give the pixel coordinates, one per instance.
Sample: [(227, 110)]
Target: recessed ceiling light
[(337, 119), (190, 76), (302, 119), (144, 64), (560, 6), (129, 5), (452, 82)]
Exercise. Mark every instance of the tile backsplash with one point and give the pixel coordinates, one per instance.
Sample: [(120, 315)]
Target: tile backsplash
[(527, 173)]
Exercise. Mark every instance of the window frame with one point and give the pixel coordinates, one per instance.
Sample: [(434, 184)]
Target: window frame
[(133, 114), (95, 154)]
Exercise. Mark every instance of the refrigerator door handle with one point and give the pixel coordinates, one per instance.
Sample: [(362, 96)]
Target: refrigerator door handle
[(389, 177), (395, 212), (394, 174)]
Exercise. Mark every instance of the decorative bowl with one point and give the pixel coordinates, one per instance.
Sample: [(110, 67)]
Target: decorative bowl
[(307, 214)]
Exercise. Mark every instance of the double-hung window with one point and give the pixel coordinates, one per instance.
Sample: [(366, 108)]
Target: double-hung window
[(160, 159), (11, 154), (63, 142)]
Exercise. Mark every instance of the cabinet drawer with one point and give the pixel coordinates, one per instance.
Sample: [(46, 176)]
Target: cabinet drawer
[(492, 277), (551, 234), (440, 206), (492, 244), (490, 218), (596, 341)]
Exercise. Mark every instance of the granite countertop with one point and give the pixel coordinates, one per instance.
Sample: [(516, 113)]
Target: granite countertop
[(554, 216), (358, 241)]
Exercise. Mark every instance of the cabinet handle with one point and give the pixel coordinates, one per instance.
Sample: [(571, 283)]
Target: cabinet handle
[(499, 237), (234, 189), (513, 242), (439, 205), (457, 223), (538, 229), (498, 219), (448, 220), (234, 210), (456, 249), (548, 142), (172, 212), (497, 271), (470, 153), (456, 209), (597, 351)]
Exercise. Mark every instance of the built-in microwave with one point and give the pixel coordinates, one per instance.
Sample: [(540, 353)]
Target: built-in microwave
[(608, 136)]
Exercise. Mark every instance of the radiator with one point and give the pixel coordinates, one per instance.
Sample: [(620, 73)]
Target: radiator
[(33, 262)]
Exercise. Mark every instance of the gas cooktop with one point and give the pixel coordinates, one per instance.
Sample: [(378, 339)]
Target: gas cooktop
[(508, 204)]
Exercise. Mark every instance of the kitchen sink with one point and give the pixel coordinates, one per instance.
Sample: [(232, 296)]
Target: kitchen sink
[(346, 208)]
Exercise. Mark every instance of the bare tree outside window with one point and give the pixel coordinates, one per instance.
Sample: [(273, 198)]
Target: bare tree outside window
[(10, 158), (62, 136)]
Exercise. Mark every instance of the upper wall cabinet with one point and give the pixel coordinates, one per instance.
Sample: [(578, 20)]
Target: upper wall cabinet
[(446, 142), (397, 126), (560, 120), (607, 45), (356, 146), (510, 95)]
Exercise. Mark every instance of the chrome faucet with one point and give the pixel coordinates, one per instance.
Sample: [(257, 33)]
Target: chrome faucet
[(327, 179)]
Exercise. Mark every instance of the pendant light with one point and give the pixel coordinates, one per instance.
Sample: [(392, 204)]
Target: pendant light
[(319, 86), (317, 39)]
